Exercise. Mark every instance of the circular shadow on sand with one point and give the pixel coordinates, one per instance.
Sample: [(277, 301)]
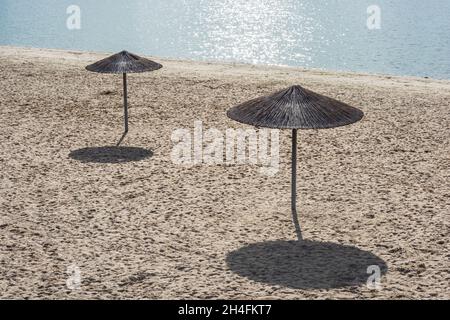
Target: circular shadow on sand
[(110, 154), (305, 264)]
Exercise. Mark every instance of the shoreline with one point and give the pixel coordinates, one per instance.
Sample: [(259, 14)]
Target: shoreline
[(373, 193), (88, 55)]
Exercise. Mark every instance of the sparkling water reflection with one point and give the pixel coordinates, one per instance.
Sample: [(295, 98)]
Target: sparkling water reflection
[(256, 31), (414, 38)]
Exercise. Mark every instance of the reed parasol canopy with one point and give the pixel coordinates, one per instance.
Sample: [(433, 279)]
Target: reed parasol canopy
[(124, 62), (295, 108)]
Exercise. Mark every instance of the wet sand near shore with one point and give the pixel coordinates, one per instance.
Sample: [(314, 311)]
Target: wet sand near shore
[(136, 225)]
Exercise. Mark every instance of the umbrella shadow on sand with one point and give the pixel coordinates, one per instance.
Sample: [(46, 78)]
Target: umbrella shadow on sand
[(304, 264), (110, 154)]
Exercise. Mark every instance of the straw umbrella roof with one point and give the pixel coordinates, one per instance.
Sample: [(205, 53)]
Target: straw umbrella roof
[(124, 62), (295, 108)]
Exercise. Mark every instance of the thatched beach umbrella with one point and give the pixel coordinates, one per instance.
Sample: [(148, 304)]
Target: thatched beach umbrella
[(124, 62), (295, 108)]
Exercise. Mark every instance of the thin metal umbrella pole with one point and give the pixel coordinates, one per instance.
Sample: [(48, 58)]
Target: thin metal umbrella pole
[(294, 186), (294, 171), (125, 101)]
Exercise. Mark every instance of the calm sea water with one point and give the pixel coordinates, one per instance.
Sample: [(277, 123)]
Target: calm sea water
[(413, 39)]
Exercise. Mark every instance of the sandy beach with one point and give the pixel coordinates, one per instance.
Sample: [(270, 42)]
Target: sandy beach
[(373, 193)]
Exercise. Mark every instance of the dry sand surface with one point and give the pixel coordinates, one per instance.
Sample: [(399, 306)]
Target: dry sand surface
[(373, 193)]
